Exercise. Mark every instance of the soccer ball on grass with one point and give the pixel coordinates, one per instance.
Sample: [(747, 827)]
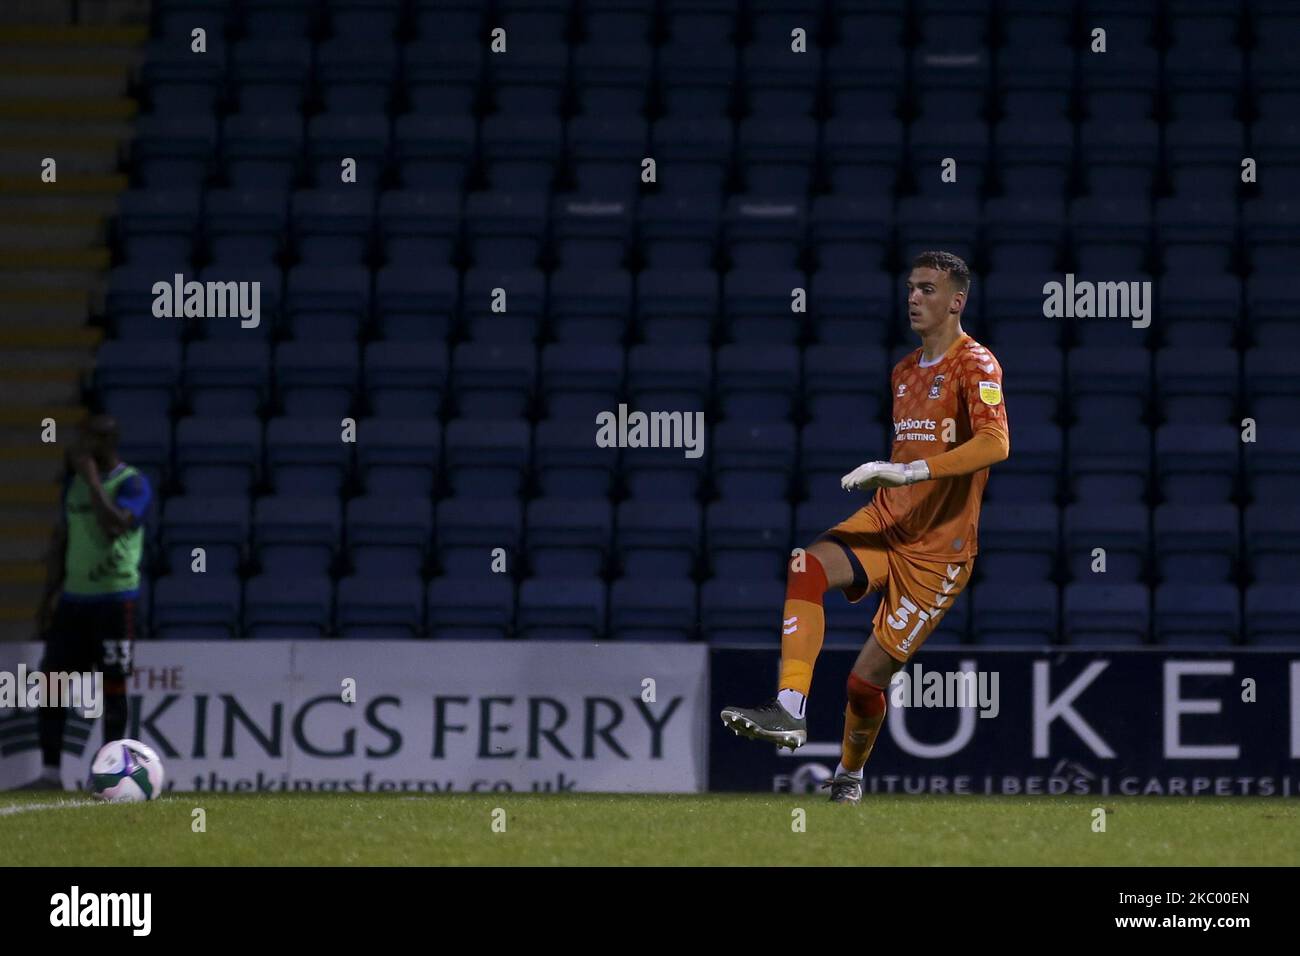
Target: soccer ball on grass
[(126, 771)]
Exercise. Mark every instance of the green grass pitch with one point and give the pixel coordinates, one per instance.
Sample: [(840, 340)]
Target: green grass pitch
[(708, 829)]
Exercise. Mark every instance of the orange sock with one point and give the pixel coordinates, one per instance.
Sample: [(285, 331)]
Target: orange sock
[(803, 625), (863, 718)]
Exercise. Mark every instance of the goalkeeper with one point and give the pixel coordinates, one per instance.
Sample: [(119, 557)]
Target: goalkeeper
[(915, 541)]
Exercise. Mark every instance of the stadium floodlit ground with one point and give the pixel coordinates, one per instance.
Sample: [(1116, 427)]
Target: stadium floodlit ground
[(593, 829)]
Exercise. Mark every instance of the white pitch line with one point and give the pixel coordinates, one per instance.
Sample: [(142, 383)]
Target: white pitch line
[(24, 807)]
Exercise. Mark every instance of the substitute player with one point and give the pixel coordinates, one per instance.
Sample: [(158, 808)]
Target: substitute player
[(95, 564), (916, 539)]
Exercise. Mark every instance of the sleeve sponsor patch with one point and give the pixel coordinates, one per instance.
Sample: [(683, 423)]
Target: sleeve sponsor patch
[(990, 393)]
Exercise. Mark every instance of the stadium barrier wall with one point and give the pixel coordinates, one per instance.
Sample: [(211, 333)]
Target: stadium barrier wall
[(1098, 721), (429, 716)]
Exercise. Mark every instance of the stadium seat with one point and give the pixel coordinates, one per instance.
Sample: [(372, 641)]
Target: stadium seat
[(569, 464), (296, 534), (1121, 531), (138, 380), (399, 456), (652, 609), (388, 536), (748, 540), (218, 525), (227, 379), (658, 540), (308, 456), (562, 609), (471, 610), (478, 537), (740, 612), (288, 607), (218, 456), (190, 606), (1272, 614), (1197, 615), (1110, 615), (1196, 543), (316, 378), (381, 608), (568, 538), (1023, 614)]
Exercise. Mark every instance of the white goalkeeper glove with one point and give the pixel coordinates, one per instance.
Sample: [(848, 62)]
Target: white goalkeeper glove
[(885, 474)]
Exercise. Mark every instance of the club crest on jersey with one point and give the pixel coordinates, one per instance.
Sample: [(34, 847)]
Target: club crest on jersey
[(902, 389), (935, 386), (990, 393)]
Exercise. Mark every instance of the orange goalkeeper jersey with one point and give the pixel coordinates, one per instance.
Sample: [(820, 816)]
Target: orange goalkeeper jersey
[(937, 409)]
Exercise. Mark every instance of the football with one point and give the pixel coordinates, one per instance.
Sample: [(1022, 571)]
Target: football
[(126, 771)]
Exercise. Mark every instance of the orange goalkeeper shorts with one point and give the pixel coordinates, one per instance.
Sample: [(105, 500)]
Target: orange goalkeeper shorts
[(916, 594)]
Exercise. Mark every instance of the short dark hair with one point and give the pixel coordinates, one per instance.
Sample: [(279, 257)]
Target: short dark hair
[(103, 427), (955, 266)]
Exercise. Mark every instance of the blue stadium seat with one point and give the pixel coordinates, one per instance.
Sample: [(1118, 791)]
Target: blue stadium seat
[(591, 233), (1023, 233), (506, 230), (381, 608), (388, 536), (605, 154), (158, 226), (296, 534), (1271, 535), (1036, 70), (850, 306), (579, 383), (357, 71), (271, 74), (1198, 234), (695, 154), (1110, 615), (217, 524), (1109, 462), (137, 379), (843, 383), (764, 232), (1199, 310), (288, 607), (263, 150), (1203, 152), (521, 155), (470, 530), (562, 609), (1196, 543), (179, 83), (1107, 386), (417, 228), (406, 379), (568, 462), (1272, 462), (332, 137), (1032, 473), (433, 153), (1197, 464), (461, 609), (748, 540), (1197, 385), (612, 74), (1197, 614), (568, 538), (925, 222), (757, 383), (308, 456), (658, 539), (1270, 380), (651, 609), (828, 451), (525, 305), (493, 381), (752, 461), (1013, 305), (227, 379), (666, 377), (779, 82), (862, 155), (1120, 156), (316, 379), (531, 80), (332, 228), (679, 306), (246, 226), (1026, 614), (1018, 543), (680, 231), (934, 141), (147, 444), (280, 18), (1272, 319), (218, 456), (1120, 87), (1120, 529), (757, 305), (736, 611), (196, 606), (266, 301), (416, 304), (696, 78), (327, 303), (589, 305), (398, 456), (487, 458), (442, 73), (1273, 615), (777, 155)]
